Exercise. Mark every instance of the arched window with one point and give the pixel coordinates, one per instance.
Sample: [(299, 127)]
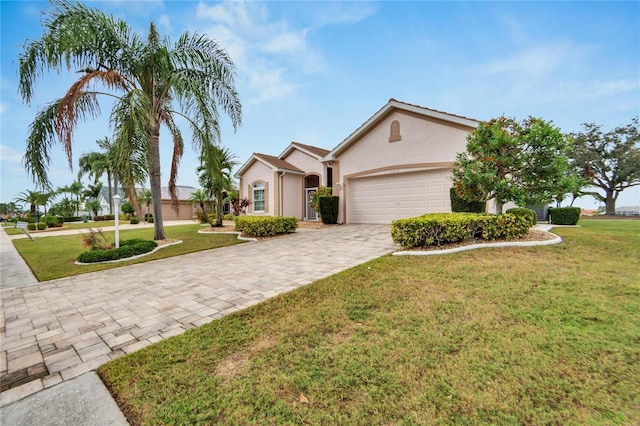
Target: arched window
[(394, 134), (258, 197)]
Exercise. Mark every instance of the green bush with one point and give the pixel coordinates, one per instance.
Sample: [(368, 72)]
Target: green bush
[(127, 248), (263, 226), (134, 221), (72, 219), (148, 217), (445, 228), (228, 216), (529, 214), (31, 226), (127, 208), (460, 205), (41, 226), (109, 217), (124, 216), (328, 209), (564, 215)]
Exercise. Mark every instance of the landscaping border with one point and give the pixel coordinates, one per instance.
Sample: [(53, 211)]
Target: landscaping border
[(132, 257)]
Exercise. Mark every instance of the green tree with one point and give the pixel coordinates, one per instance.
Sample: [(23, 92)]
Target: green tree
[(127, 208), (609, 161), (32, 198), (201, 198), (93, 206), (152, 81), (214, 175), (508, 161), (146, 197)]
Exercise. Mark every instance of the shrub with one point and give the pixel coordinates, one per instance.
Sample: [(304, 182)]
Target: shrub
[(31, 226), (109, 217), (127, 208), (148, 216), (328, 209), (459, 205), (322, 191), (124, 216), (96, 240), (529, 214), (128, 248), (445, 228), (228, 216), (263, 226), (72, 219), (134, 221), (564, 215), (150, 219), (41, 226), (99, 218)]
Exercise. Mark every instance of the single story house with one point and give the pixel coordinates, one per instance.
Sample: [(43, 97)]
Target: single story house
[(397, 164)]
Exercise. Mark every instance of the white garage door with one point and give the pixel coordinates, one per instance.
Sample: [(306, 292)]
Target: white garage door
[(381, 199)]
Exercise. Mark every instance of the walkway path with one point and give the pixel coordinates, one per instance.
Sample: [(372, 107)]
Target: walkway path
[(57, 330)]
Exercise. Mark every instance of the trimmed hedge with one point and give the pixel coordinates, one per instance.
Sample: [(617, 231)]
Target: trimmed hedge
[(228, 216), (264, 226), (128, 248), (31, 226), (134, 221), (526, 213), (72, 219), (41, 226), (329, 209), (564, 215), (460, 205), (445, 228)]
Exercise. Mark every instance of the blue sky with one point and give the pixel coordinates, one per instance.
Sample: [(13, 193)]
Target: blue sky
[(312, 72)]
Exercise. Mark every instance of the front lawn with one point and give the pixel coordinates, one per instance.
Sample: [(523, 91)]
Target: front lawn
[(539, 335), (55, 256)]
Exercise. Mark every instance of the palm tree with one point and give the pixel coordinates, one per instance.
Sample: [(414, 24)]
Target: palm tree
[(148, 78), (215, 175), (146, 197), (33, 198), (93, 206), (201, 198), (96, 164)]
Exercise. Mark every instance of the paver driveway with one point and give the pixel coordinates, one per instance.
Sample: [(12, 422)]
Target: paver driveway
[(56, 330)]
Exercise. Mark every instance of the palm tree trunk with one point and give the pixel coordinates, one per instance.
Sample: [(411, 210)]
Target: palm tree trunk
[(219, 210), (155, 183)]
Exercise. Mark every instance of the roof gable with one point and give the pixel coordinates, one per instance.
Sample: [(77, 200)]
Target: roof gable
[(274, 163), (395, 105), (313, 151)]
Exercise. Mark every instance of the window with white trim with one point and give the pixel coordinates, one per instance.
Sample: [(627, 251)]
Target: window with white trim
[(258, 197)]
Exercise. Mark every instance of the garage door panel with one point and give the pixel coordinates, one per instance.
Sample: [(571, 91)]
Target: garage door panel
[(382, 199)]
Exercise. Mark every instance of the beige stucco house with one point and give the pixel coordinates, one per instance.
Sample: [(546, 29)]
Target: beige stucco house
[(397, 164)]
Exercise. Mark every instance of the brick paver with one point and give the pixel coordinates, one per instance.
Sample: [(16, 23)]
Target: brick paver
[(56, 330)]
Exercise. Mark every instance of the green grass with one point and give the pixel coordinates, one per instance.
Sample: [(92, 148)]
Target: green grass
[(540, 335), (11, 230), (54, 257)]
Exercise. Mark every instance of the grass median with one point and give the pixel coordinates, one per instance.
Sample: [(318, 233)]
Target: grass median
[(537, 335), (54, 257)]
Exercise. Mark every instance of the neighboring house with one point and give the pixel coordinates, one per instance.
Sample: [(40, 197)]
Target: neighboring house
[(628, 211), (397, 164), (185, 211)]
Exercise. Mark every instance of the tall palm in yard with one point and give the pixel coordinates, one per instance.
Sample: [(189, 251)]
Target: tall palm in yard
[(214, 175), (151, 80), (32, 198), (201, 198)]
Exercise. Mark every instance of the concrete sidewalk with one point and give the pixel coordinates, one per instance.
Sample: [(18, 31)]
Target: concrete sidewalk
[(58, 330)]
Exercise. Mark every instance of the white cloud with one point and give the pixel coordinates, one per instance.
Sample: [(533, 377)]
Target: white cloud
[(3, 108), (10, 155), (271, 54), (165, 22)]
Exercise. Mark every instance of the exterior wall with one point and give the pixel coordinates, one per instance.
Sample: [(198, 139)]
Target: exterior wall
[(292, 188), (259, 172), (309, 164), (424, 144), (186, 211)]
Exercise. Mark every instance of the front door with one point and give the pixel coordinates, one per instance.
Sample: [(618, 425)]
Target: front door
[(309, 213)]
